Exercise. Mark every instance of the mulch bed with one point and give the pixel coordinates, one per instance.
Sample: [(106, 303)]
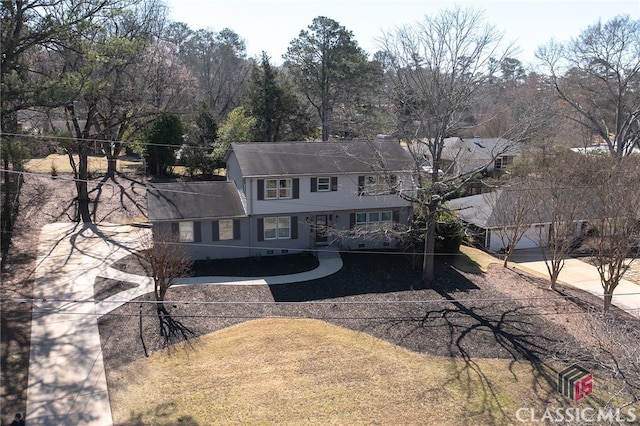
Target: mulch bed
[(462, 315)]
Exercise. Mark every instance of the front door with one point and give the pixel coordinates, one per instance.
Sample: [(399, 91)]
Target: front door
[(321, 228)]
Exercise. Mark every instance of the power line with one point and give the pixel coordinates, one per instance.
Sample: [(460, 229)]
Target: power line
[(310, 302)]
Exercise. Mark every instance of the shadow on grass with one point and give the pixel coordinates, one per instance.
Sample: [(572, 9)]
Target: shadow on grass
[(160, 411)]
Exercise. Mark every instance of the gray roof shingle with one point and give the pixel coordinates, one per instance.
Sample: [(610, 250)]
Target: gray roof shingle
[(305, 158), (193, 200)]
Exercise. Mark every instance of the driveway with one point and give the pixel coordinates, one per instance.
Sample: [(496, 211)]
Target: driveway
[(67, 384), (67, 381), (581, 275)]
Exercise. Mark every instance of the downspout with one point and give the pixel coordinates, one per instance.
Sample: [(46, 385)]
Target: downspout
[(250, 212)]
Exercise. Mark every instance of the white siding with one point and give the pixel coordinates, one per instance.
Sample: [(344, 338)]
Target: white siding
[(233, 171), (530, 239), (345, 198)]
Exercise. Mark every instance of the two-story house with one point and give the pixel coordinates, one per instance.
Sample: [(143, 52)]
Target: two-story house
[(286, 197)]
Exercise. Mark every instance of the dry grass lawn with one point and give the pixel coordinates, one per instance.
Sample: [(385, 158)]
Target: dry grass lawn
[(305, 371), (471, 258), (61, 164)]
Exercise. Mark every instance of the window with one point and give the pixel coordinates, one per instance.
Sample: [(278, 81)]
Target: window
[(324, 184), (372, 218), (225, 229), (371, 185), (503, 162), (186, 232), (277, 188), (277, 228), (284, 227), (375, 185)]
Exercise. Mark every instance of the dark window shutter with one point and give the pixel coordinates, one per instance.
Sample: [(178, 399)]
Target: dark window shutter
[(334, 183), (393, 183), (352, 220), (175, 229), (294, 227), (296, 188), (236, 229), (314, 184), (197, 231), (260, 189), (360, 185), (215, 233), (260, 229), (396, 216)]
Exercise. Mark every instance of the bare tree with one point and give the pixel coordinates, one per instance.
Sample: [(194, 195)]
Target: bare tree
[(168, 260), (435, 70), (615, 200), (511, 206), (597, 75), (562, 203)]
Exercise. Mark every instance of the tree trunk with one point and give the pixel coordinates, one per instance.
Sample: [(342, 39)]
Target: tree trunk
[(84, 214), (428, 264), (553, 280), (608, 296), (111, 166)]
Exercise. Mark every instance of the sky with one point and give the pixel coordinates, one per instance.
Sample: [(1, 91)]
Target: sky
[(270, 25)]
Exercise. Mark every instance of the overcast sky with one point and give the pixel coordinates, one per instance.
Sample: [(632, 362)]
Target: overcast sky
[(270, 25)]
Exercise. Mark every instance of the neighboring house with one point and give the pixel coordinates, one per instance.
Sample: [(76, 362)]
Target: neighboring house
[(494, 217), (469, 155), (287, 197)]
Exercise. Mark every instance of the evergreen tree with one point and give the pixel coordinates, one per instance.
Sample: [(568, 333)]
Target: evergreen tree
[(329, 67), (163, 141), (277, 110)]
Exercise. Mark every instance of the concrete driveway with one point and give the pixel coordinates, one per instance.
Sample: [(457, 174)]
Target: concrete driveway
[(67, 383), (581, 275)]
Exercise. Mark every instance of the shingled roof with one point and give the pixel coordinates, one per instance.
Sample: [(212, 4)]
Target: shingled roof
[(193, 200), (307, 158)]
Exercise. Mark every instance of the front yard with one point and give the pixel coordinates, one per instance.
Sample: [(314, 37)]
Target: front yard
[(497, 331)]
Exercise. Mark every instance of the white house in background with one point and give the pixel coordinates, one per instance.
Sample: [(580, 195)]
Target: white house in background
[(286, 197), (488, 216)]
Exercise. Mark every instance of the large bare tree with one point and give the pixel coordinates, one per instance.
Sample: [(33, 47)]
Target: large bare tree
[(597, 75), (95, 68), (435, 70), (561, 203), (615, 201)]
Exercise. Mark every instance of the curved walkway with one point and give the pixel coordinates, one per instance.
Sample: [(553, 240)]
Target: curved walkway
[(67, 381)]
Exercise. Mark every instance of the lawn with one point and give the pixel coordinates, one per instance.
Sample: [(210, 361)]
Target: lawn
[(376, 346), (306, 371), (97, 164)]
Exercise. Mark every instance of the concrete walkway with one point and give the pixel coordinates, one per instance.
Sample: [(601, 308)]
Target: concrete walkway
[(67, 381), (581, 275)]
